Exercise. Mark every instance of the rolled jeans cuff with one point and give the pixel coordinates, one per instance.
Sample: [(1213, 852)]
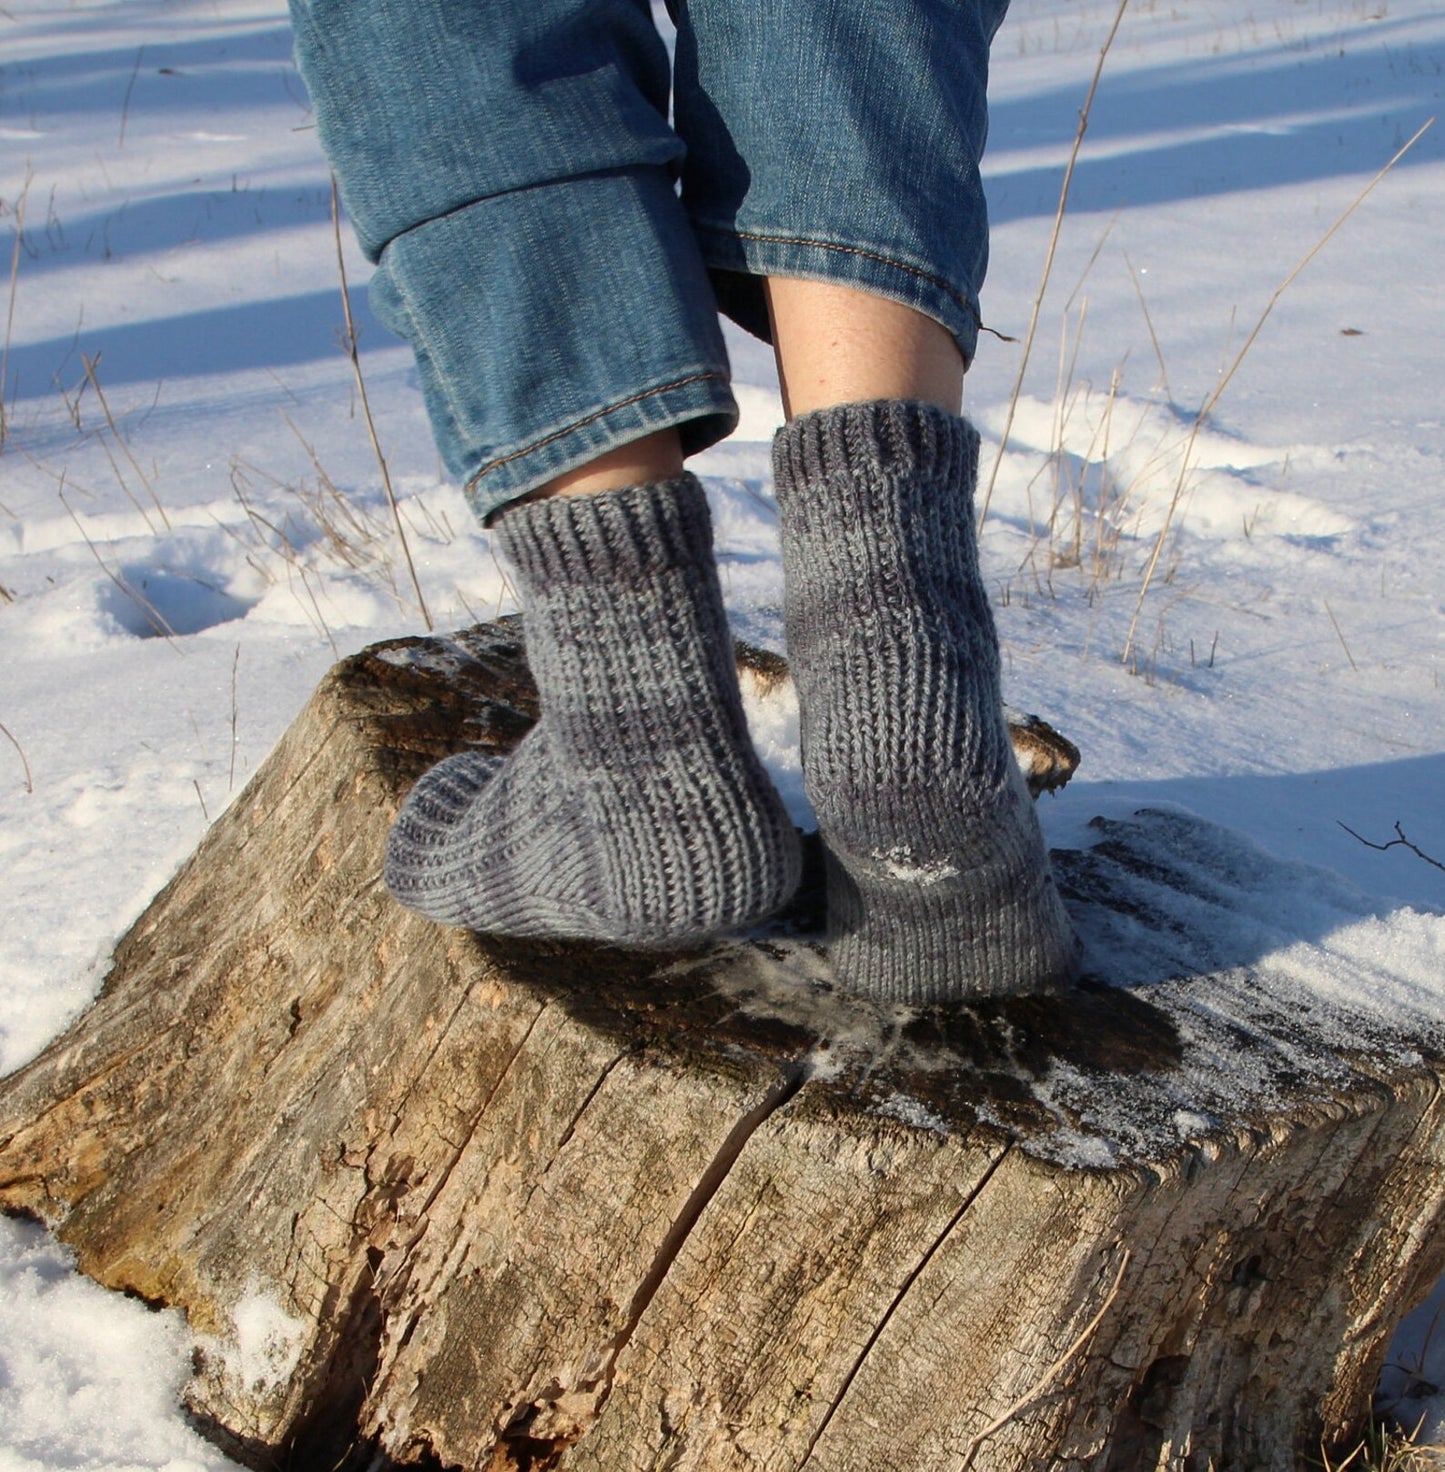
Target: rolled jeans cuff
[(552, 324), (740, 259)]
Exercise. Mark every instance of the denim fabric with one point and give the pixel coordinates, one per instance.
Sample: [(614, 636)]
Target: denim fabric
[(838, 139), (509, 166)]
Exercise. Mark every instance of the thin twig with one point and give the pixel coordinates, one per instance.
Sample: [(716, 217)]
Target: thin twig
[(10, 309), (145, 480), (1149, 323), (1208, 406), (130, 87), (148, 611), (120, 480), (7, 734), (235, 665), (1049, 257), (1339, 634), (1400, 842), (1052, 1373), (286, 550), (354, 354)]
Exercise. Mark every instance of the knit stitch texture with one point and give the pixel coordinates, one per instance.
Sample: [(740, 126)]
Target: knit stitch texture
[(636, 810), (938, 881)]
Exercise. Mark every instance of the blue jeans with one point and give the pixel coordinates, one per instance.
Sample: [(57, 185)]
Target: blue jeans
[(510, 168)]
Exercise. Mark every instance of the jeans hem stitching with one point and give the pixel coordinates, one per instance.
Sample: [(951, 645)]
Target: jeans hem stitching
[(592, 418), (856, 250)]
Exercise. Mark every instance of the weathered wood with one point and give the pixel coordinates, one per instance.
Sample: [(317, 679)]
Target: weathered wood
[(430, 1198)]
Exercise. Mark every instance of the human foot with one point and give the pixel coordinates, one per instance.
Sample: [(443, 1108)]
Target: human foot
[(636, 811), (938, 882)]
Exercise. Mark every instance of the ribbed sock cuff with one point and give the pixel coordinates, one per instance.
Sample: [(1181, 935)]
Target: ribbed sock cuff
[(893, 438), (636, 532)]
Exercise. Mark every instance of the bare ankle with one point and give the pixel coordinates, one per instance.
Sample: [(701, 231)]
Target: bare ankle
[(654, 457), (841, 345)]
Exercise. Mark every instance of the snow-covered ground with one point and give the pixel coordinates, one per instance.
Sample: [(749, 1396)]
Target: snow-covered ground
[(192, 525)]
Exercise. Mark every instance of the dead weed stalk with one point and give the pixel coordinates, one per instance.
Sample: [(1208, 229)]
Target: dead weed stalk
[(9, 736), (19, 209), (1049, 256), (354, 354), (1208, 406)]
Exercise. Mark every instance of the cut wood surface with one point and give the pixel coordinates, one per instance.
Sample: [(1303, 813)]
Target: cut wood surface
[(431, 1198)]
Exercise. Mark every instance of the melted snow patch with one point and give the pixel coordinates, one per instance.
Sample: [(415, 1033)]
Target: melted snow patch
[(1262, 981)]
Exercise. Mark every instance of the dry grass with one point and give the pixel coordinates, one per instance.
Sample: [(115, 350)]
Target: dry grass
[(1208, 406), (18, 210), (1093, 514), (24, 760), (93, 379), (354, 354), (1049, 255), (1384, 1448)]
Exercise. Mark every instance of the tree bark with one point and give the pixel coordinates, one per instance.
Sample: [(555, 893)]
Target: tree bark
[(430, 1198)]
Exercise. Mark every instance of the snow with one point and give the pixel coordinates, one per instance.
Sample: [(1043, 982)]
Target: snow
[(88, 1379), (267, 1343), (193, 531)]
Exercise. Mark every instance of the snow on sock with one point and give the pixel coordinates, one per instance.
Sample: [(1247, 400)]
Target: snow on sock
[(938, 881), (636, 810)]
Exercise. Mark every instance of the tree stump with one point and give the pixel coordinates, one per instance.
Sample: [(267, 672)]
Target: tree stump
[(433, 1199)]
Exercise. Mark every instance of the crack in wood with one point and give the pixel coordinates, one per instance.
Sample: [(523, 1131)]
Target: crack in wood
[(393, 1281), (527, 1453), (471, 1127), (604, 1074), (586, 1104), (1037, 1389), (897, 1301), (707, 1187)]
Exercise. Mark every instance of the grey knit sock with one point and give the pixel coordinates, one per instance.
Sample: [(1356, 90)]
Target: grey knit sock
[(938, 881), (636, 810)]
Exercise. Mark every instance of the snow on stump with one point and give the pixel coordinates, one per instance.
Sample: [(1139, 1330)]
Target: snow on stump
[(431, 1199)]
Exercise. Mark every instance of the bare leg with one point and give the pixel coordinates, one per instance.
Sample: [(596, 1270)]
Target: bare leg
[(835, 345), (655, 457), (841, 345)]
